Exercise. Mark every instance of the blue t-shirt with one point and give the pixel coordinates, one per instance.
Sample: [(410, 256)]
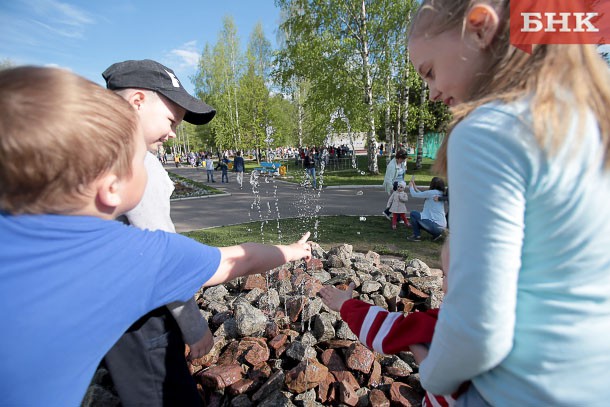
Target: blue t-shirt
[(70, 286)]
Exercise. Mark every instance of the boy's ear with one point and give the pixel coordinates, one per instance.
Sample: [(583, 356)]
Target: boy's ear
[(108, 191), (482, 22), (136, 99)]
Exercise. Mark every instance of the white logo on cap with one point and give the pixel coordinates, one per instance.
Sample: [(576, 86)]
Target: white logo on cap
[(175, 80)]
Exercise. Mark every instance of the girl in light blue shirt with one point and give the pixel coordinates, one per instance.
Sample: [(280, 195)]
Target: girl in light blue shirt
[(527, 312)]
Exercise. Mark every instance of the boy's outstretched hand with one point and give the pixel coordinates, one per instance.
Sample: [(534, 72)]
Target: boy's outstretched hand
[(302, 248), (334, 298)]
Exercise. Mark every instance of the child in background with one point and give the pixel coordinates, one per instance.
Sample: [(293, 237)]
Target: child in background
[(72, 278), (392, 332), (527, 314), (432, 218), (397, 204)]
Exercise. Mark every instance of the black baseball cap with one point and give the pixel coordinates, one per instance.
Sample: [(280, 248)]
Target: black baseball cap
[(151, 75)]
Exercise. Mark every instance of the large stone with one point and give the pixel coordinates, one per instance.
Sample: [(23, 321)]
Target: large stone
[(323, 327), (220, 377), (332, 360), (274, 383), (403, 395), (254, 281), (216, 293), (250, 320), (254, 350), (294, 306), (299, 351), (306, 375), (377, 398), (347, 394), (359, 358)]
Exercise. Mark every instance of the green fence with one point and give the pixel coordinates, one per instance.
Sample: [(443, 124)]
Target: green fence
[(432, 142)]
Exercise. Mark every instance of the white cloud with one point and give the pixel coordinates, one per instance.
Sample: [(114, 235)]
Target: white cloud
[(61, 18), (187, 55)]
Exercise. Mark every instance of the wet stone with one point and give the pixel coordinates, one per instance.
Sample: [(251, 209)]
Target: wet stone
[(359, 358), (306, 375), (220, 377)]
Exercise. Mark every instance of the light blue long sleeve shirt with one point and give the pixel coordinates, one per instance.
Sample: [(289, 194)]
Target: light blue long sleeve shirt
[(527, 313), (432, 210)]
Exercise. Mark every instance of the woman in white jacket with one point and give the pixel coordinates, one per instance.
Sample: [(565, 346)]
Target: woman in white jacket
[(394, 173)]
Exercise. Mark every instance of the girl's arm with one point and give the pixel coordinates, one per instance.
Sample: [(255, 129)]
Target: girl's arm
[(391, 333), (431, 193), (488, 185)]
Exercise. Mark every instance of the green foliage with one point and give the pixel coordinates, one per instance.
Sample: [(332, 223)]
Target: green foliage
[(334, 55), (6, 63)]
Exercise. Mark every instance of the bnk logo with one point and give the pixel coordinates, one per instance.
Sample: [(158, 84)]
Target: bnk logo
[(559, 22)]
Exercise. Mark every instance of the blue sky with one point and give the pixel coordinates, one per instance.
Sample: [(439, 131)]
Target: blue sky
[(86, 36)]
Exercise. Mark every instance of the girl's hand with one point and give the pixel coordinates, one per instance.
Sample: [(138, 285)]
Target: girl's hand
[(334, 298)]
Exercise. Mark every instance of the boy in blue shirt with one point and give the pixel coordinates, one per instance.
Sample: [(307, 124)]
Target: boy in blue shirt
[(73, 279)]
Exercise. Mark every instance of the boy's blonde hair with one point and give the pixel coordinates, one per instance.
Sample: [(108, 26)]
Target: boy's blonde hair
[(58, 133), (549, 74)]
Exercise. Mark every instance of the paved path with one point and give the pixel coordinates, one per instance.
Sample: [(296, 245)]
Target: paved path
[(272, 198)]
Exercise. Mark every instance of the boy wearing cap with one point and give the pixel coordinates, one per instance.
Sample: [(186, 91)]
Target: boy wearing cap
[(72, 279), (147, 364)]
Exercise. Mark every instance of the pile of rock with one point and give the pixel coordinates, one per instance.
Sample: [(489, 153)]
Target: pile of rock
[(277, 344)]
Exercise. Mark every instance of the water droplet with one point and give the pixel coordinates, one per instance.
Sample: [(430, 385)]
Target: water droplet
[(362, 219), (359, 193)]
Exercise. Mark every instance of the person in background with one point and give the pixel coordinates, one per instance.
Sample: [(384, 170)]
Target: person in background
[(209, 167), (432, 218), (394, 173), (310, 167), (239, 167), (528, 163), (223, 164)]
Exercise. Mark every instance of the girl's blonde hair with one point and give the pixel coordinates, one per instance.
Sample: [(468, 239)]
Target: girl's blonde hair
[(58, 133), (549, 74)]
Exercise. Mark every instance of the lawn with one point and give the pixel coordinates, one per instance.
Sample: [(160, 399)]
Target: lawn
[(364, 234), (345, 174)]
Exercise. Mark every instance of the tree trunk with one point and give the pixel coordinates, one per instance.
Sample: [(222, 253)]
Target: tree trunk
[(300, 118), (368, 90), (420, 134), (405, 100), (398, 122), (389, 139)]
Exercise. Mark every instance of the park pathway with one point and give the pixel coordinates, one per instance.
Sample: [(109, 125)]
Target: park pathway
[(272, 199)]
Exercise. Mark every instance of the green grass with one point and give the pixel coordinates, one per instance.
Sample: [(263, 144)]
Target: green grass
[(355, 176), (374, 234)]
